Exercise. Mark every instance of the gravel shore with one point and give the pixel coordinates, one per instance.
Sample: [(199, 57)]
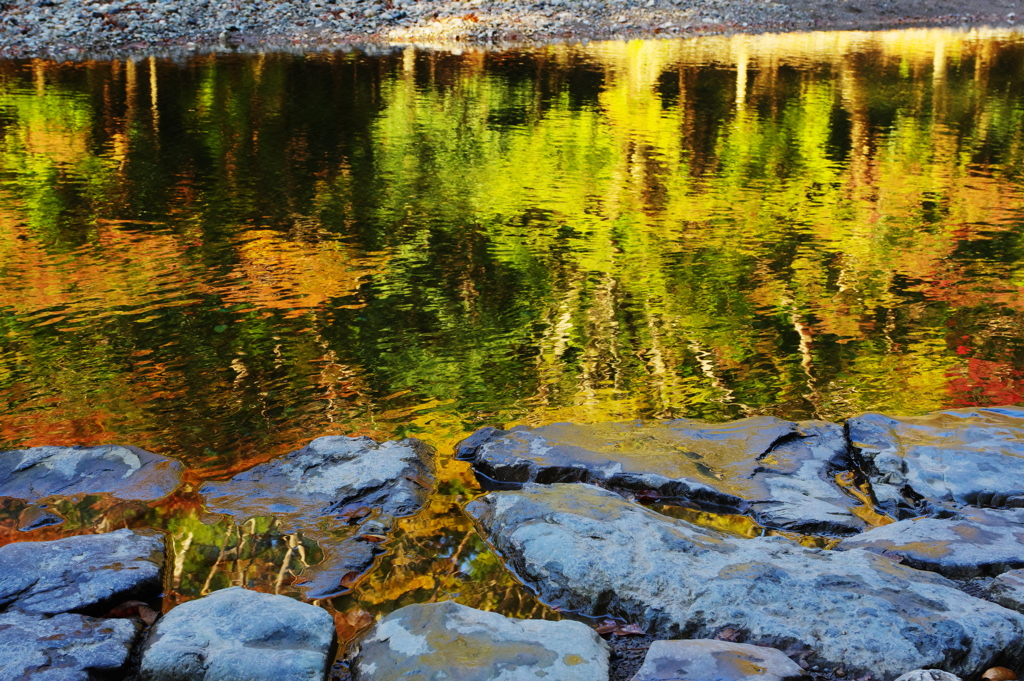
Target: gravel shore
[(76, 28)]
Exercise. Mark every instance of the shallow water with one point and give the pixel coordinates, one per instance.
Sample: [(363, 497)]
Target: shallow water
[(220, 258)]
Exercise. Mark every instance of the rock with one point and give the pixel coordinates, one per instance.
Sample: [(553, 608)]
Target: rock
[(928, 675), (32, 517), (980, 542), (346, 479), (441, 641), (325, 476), (1008, 590), (85, 574), (716, 661), (66, 647), (586, 549), (124, 472), (240, 634), (964, 456), (778, 471)]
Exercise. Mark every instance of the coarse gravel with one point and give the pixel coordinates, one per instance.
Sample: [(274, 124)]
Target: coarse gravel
[(66, 29)]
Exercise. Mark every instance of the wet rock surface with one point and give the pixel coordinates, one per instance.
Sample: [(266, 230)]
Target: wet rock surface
[(1008, 590), (779, 472), (450, 641), (977, 543), (716, 661), (86, 574), (123, 472), (65, 647), (240, 634), (349, 481), (964, 456), (587, 549)]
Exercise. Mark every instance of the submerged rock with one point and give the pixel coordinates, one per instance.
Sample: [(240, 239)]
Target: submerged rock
[(962, 456), (123, 472), (586, 549), (240, 634), (441, 641), (86, 574), (1008, 590), (979, 542), (66, 647), (778, 471), (347, 479), (711, 660)]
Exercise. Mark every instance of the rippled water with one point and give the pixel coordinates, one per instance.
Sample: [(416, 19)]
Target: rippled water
[(221, 258)]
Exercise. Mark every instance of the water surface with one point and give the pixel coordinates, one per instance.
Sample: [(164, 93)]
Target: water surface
[(220, 258)]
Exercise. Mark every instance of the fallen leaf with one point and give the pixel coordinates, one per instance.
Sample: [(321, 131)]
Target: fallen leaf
[(630, 630), (999, 674), (349, 580), (647, 496), (728, 634), (357, 513), (606, 627), (419, 481), (373, 538), (148, 615)]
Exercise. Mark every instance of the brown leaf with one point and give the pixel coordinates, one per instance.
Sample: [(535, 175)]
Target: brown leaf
[(647, 496), (349, 580), (630, 630), (357, 513), (999, 674), (373, 538), (728, 634), (148, 615), (419, 481), (606, 627), (126, 609)]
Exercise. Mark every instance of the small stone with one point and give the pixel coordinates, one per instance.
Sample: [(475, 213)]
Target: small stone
[(718, 660), (431, 641), (1008, 590), (240, 634), (928, 675)]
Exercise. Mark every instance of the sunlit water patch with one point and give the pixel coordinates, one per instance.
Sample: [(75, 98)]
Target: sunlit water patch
[(221, 258)]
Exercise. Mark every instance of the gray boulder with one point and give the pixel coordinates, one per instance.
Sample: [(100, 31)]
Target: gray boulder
[(235, 635), (778, 471), (1008, 590), (347, 479), (978, 543), (710, 660), (123, 472), (65, 647), (448, 641), (586, 549), (85, 574), (962, 456)]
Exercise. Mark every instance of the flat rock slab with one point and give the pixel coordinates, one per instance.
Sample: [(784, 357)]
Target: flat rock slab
[(928, 675), (710, 660), (778, 471), (123, 472), (1008, 590), (978, 543), (237, 634), (586, 549), (65, 647), (963, 456), (86, 574), (448, 641), (346, 479)]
